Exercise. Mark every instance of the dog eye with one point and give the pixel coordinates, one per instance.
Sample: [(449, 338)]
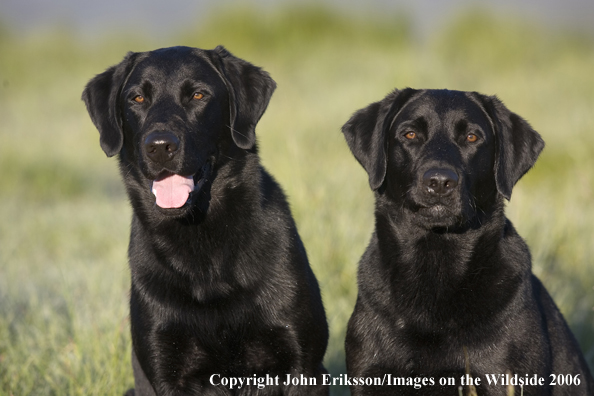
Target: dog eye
[(410, 135), (138, 99), (197, 96), (471, 137)]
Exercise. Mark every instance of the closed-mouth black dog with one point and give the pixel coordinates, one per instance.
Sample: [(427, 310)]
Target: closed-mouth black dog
[(221, 286), (445, 285)]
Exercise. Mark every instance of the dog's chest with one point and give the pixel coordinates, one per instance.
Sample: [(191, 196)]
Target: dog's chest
[(243, 350)]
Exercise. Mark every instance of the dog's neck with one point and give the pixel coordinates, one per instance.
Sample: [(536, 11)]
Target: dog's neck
[(397, 224), (447, 271), (232, 197)]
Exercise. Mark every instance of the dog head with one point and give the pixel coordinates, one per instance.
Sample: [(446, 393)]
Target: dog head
[(444, 157), (171, 113)]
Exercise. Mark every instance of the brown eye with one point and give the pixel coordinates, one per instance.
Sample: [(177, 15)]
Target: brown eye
[(410, 135), (197, 96), (139, 99), (471, 137)]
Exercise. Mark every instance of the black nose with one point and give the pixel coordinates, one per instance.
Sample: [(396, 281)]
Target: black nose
[(440, 181), (161, 146)]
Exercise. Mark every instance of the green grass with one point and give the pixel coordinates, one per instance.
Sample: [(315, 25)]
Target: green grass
[(65, 219)]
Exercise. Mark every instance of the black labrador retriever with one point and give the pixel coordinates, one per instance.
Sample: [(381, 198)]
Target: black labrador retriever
[(222, 293), (445, 285)]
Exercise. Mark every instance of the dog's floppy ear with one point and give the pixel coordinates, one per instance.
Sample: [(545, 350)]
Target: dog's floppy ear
[(101, 98), (517, 148), (365, 134), (250, 89)]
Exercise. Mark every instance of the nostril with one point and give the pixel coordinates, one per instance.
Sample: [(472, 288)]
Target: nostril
[(440, 181), (161, 146)]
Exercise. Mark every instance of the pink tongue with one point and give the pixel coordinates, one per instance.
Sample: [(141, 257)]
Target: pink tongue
[(173, 191)]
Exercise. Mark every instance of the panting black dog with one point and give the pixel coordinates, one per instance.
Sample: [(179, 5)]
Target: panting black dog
[(221, 285), (445, 285)]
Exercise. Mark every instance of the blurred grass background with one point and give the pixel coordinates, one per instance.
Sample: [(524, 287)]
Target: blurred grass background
[(64, 218)]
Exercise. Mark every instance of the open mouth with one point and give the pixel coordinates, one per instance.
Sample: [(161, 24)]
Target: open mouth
[(173, 191)]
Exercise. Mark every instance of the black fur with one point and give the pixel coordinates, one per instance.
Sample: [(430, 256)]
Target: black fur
[(221, 285), (446, 281)]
